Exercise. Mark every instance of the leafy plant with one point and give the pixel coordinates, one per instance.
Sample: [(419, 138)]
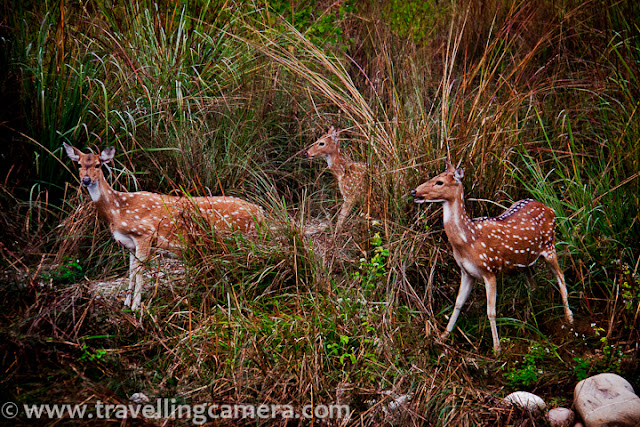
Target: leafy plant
[(69, 271), (321, 27), (527, 372), (372, 270), (91, 355), (613, 356), (582, 368), (342, 349), (630, 289), (413, 19)]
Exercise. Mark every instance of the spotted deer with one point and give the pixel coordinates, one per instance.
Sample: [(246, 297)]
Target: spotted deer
[(484, 247), (141, 220), (351, 176)]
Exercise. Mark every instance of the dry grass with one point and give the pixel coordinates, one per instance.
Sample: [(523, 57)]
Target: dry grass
[(221, 99)]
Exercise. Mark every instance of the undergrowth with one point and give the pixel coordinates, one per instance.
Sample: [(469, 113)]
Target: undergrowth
[(534, 99)]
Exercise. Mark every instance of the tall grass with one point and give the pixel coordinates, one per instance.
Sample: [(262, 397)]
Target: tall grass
[(221, 97)]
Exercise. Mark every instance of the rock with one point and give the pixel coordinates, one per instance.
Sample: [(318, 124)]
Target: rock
[(561, 417), (139, 398), (526, 400), (607, 400), (400, 401), (396, 409)]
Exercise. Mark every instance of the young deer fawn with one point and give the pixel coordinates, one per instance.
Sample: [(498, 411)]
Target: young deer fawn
[(142, 220), (351, 176), (484, 247)]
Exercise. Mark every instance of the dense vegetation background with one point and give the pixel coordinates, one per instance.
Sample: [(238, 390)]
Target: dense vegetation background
[(534, 98)]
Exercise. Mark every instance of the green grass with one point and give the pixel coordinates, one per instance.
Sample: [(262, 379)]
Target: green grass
[(534, 100)]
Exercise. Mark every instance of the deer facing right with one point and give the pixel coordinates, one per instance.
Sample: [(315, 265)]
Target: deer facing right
[(484, 247)]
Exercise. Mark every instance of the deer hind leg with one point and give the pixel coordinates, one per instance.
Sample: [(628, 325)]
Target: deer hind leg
[(552, 260), (466, 284), (491, 288)]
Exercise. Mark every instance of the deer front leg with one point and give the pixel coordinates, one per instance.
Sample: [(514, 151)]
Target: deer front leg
[(466, 284), (491, 288), (345, 210), (133, 267), (142, 252)]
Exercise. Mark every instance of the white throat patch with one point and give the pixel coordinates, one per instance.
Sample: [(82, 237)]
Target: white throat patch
[(329, 160), (94, 191), (447, 213)]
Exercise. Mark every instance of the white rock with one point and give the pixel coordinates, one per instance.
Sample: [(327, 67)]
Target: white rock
[(526, 400), (399, 401), (607, 399), (395, 410), (561, 417), (139, 398)]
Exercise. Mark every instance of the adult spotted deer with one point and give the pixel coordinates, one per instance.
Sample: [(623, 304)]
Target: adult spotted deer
[(484, 247), (141, 221), (351, 176)]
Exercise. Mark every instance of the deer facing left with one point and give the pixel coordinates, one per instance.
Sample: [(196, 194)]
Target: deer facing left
[(351, 176), (485, 247), (142, 221)]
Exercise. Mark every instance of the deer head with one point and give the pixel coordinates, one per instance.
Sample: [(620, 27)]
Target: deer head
[(90, 171)]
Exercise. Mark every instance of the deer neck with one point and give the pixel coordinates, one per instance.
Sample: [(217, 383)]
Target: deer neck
[(457, 225), (337, 163), (105, 198)]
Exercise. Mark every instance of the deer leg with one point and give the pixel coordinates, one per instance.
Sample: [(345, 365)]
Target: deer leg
[(142, 252), (530, 286), (529, 279), (491, 288), (466, 284), (552, 261), (345, 210), (133, 267)]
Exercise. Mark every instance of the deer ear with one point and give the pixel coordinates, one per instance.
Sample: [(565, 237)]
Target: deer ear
[(458, 174), (107, 154), (450, 167), (72, 152), (333, 133)]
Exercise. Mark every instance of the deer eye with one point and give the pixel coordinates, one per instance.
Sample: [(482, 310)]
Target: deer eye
[(439, 183), (322, 144)]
